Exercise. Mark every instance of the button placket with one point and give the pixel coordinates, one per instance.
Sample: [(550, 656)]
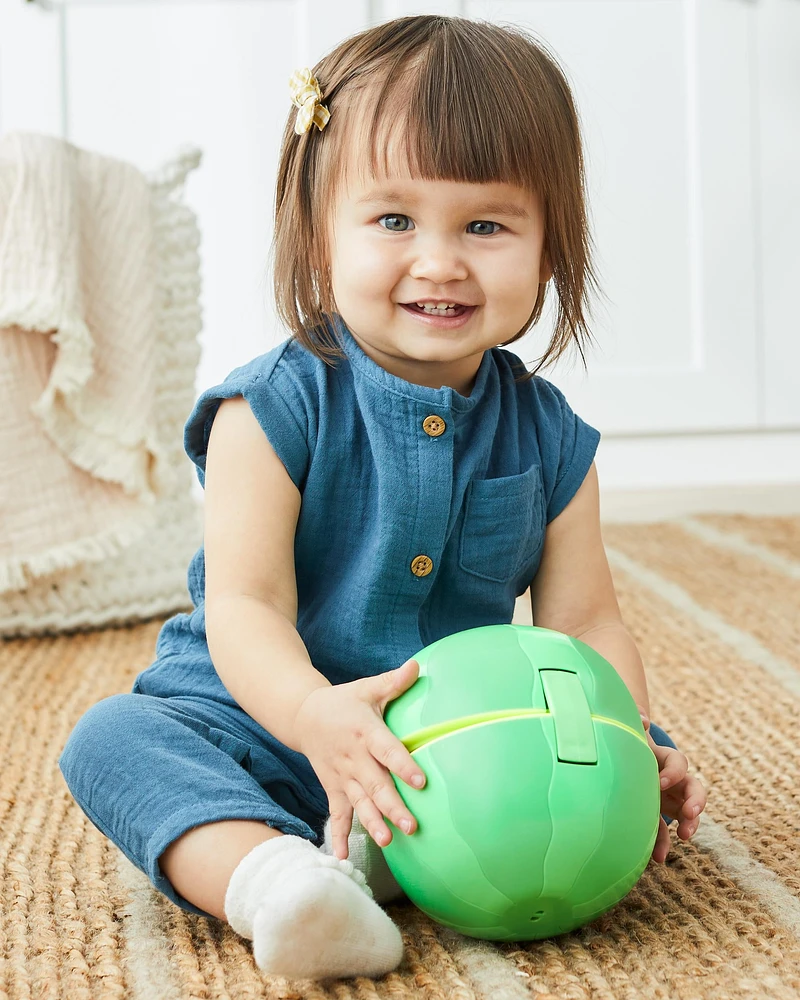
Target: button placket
[(435, 485)]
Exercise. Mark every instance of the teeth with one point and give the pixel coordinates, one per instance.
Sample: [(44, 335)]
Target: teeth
[(433, 307)]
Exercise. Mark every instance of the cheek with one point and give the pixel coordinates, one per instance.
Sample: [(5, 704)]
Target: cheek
[(513, 292), (515, 283), (360, 269)]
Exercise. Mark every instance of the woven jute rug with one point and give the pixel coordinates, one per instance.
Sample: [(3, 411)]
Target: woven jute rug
[(713, 604)]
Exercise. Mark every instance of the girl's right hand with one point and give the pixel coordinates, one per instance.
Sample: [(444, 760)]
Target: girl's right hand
[(341, 731)]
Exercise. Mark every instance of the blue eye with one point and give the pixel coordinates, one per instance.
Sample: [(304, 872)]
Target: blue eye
[(392, 228), (484, 223)]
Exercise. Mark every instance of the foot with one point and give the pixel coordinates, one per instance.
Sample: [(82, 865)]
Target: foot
[(318, 923)]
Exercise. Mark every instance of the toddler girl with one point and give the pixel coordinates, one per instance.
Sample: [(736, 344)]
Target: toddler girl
[(387, 476)]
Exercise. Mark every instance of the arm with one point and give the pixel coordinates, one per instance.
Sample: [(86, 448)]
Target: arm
[(584, 604), (573, 591), (251, 510), (251, 514)]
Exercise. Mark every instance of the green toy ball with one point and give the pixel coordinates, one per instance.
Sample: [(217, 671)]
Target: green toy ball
[(541, 805)]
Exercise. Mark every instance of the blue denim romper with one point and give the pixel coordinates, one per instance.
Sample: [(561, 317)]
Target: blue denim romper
[(423, 513)]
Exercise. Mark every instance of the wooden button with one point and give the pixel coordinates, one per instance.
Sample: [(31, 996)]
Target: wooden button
[(421, 565), (434, 426)]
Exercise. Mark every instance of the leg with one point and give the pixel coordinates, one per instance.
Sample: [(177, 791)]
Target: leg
[(662, 738), (287, 902), (164, 785), (186, 861), (146, 771)]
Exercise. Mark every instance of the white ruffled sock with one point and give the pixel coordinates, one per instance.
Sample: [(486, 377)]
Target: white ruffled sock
[(367, 858), (309, 915)]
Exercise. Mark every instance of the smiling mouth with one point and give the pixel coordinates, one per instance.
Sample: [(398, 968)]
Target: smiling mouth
[(458, 310)]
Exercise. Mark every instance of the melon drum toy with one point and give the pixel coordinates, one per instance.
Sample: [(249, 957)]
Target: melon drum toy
[(541, 805)]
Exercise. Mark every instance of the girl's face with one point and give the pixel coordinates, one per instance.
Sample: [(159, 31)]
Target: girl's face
[(398, 241)]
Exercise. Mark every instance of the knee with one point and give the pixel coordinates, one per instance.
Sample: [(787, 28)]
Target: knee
[(96, 739)]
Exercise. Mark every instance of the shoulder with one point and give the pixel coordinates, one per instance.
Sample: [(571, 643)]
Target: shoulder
[(288, 373), (284, 388), (287, 363), (535, 391)]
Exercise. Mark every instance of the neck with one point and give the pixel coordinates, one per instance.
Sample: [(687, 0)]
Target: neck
[(459, 375)]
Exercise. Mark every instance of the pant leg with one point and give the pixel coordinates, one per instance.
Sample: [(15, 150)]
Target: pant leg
[(146, 769), (663, 739)]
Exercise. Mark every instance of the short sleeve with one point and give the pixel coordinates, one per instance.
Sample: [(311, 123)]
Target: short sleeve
[(277, 404), (567, 445)]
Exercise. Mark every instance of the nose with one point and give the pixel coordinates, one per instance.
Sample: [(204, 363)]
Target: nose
[(438, 260)]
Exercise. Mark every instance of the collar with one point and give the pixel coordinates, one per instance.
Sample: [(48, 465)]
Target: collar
[(445, 397)]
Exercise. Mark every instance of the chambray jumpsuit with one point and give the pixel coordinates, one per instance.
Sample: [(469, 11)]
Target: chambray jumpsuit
[(471, 490)]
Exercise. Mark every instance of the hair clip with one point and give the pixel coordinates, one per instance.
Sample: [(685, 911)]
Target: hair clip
[(306, 96)]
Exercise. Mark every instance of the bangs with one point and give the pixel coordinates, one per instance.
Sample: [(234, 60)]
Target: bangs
[(450, 111)]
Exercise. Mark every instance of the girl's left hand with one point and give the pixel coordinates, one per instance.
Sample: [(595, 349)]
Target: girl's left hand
[(682, 796)]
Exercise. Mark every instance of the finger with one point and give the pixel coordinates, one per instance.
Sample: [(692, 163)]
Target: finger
[(388, 750), (691, 809), (672, 766), (674, 803), (341, 823), (370, 816), (393, 683), (695, 797), (688, 828), (378, 784), (662, 845), (683, 797)]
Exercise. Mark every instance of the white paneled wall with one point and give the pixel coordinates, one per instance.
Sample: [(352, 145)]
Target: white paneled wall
[(689, 111)]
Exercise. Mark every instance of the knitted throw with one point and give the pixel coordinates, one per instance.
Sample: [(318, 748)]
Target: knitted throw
[(99, 319)]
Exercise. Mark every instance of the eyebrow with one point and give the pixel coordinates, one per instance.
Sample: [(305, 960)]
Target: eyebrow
[(508, 208)]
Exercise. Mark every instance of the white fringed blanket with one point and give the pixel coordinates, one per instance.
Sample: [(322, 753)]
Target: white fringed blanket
[(99, 318)]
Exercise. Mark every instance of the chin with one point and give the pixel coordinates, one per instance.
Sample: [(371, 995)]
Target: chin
[(445, 353)]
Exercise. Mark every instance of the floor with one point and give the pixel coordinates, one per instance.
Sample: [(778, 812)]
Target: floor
[(655, 505), (711, 603)]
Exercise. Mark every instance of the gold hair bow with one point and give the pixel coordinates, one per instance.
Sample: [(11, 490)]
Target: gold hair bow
[(306, 96)]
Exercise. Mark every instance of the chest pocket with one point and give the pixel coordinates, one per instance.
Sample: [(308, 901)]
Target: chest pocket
[(503, 527)]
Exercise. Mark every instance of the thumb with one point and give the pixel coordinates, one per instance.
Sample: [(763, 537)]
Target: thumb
[(394, 682)]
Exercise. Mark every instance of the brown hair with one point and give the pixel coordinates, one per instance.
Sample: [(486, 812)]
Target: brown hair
[(471, 101)]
